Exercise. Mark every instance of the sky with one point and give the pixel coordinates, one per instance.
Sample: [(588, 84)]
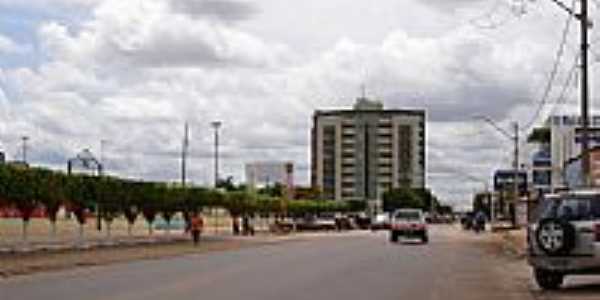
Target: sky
[(131, 73)]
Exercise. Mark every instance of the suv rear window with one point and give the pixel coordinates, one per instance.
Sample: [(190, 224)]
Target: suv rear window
[(572, 208)]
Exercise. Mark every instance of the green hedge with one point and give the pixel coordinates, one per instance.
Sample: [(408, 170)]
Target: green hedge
[(29, 188)]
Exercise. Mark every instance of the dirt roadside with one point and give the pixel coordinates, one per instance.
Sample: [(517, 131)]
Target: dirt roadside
[(29, 263)]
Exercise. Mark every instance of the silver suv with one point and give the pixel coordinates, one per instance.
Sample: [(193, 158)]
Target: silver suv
[(564, 237)]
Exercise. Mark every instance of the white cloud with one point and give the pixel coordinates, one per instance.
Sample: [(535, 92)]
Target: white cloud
[(133, 71), (8, 46), (149, 34)]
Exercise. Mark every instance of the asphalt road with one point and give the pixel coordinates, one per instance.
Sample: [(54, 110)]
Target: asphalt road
[(348, 266)]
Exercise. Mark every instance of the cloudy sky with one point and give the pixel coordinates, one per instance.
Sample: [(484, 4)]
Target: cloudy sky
[(74, 72)]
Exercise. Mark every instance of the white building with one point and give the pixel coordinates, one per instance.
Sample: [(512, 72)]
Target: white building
[(565, 142), (264, 173), (359, 153)]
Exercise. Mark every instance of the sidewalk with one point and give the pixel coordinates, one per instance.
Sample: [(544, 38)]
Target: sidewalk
[(27, 262), (90, 243), (513, 242)]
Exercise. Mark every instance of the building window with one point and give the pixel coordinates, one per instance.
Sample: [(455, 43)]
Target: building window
[(405, 155), (329, 161)]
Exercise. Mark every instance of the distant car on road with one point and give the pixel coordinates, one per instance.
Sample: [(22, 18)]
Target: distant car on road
[(380, 222), (466, 220), (564, 237), (313, 223), (408, 223)]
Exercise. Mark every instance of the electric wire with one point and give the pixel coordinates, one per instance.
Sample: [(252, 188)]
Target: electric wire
[(552, 77)]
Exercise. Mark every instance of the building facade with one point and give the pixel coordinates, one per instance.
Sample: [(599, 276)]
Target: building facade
[(359, 153), (263, 173), (565, 143)]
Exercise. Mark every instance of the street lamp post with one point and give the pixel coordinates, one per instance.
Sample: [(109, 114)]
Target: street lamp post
[(184, 152), (25, 139), (216, 125)]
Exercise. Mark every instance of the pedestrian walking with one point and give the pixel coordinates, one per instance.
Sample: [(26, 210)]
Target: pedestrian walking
[(196, 226)]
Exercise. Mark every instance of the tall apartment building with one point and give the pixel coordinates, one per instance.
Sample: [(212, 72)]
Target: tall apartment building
[(362, 152)]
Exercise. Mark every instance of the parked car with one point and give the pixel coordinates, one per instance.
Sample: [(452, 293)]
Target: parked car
[(359, 221), (380, 222), (408, 223), (313, 223), (564, 237)]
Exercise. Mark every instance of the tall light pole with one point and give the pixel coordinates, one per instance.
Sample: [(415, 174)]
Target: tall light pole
[(216, 125), (24, 139), (184, 151)]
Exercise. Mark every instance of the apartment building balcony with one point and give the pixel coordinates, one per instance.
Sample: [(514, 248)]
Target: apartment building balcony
[(385, 121), (384, 161), (348, 150), (386, 141), (348, 142), (348, 161), (385, 170), (384, 179), (384, 131), (348, 179), (348, 190)]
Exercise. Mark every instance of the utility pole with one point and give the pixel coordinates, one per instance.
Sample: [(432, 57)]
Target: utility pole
[(184, 150), (216, 125), (516, 174), (24, 139), (584, 92), (585, 24)]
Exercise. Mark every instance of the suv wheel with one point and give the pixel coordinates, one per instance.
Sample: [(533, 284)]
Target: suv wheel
[(555, 236), (548, 280)]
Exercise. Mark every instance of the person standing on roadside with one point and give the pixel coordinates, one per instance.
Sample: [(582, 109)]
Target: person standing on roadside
[(196, 226)]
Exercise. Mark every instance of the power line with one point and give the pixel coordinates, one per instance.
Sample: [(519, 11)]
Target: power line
[(549, 84), (562, 97)]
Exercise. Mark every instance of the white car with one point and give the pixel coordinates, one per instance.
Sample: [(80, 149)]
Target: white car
[(380, 221), (409, 223)]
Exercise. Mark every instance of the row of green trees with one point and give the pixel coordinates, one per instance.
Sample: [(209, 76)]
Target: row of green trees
[(27, 189)]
